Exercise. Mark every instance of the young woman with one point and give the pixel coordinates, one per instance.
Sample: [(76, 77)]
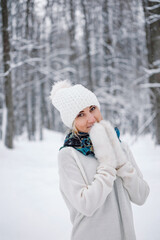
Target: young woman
[(99, 177)]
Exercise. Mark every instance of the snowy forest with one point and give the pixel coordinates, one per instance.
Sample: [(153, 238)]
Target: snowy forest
[(110, 46)]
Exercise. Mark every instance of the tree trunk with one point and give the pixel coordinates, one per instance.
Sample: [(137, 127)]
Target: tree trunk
[(107, 39), (153, 45), (28, 75), (87, 44), (7, 78), (72, 30)]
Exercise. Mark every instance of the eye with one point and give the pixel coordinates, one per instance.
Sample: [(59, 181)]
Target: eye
[(93, 108), (80, 115)]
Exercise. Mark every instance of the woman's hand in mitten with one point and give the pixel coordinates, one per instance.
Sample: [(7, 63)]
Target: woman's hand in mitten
[(121, 158), (102, 147)]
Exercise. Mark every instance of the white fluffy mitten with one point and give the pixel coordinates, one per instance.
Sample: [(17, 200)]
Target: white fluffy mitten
[(121, 158), (102, 146)]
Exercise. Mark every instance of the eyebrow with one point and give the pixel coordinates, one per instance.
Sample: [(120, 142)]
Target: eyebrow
[(89, 108)]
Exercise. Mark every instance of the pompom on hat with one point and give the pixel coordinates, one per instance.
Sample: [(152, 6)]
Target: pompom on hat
[(69, 100)]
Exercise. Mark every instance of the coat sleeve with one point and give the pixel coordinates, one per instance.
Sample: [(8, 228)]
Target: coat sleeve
[(85, 198), (132, 177)]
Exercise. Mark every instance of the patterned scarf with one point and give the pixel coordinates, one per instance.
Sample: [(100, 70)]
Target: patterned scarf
[(82, 142)]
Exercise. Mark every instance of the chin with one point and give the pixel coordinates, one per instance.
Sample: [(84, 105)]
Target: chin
[(87, 130)]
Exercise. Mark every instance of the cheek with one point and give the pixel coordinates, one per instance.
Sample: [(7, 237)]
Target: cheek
[(80, 123), (98, 116)]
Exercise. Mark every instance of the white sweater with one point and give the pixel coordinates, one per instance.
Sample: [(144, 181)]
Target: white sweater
[(99, 200)]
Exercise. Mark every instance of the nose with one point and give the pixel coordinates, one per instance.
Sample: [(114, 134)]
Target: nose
[(91, 118)]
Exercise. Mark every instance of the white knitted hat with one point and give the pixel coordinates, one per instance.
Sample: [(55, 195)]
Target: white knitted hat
[(71, 99)]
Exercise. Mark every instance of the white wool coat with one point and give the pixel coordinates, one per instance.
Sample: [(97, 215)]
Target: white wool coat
[(98, 200)]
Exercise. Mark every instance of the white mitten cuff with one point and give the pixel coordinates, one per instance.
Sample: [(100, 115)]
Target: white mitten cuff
[(126, 171)]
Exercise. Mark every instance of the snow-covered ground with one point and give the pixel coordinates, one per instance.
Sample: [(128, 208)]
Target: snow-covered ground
[(31, 206)]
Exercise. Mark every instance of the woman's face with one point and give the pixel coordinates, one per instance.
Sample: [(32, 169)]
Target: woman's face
[(87, 117)]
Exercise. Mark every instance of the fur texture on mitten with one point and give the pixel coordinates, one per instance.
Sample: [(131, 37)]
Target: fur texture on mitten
[(121, 157), (102, 146)]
